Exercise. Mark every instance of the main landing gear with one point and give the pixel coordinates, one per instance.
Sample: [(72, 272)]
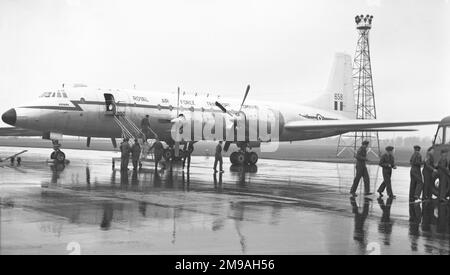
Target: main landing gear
[(242, 157), (169, 154)]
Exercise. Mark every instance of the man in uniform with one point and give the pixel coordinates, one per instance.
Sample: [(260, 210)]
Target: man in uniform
[(145, 126), (387, 161), (444, 175), (135, 154), (218, 158), (188, 149), (428, 170), (361, 170), (158, 151), (125, 150), (416, 186)]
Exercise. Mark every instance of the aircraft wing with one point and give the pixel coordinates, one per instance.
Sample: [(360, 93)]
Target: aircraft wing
[(18, 132), (356, 125)]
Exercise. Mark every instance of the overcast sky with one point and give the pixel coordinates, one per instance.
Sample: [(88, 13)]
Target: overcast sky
[(284, 49)]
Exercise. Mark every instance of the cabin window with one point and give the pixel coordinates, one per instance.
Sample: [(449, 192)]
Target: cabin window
[(59, 94), (159, 107), (54, 94), (341, 105), (335, 105)]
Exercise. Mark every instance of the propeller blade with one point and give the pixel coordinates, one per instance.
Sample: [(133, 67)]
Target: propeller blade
[(245, 97), (224, 110), (221, 107)]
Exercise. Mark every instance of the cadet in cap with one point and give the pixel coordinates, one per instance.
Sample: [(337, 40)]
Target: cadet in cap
[(361, 170), (387, 161), (416, 185)]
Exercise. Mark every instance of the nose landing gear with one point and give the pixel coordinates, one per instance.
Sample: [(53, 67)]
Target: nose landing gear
[(57, 155)]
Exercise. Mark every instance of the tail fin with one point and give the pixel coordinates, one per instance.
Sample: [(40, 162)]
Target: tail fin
[(338, 96)]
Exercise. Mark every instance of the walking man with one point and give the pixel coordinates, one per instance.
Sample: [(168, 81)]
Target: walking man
[(188, 149), (145, 126), (361, 170), (416, 186), (135, 154), (158, 152), (218, 158), (387, 161), (125, 150)]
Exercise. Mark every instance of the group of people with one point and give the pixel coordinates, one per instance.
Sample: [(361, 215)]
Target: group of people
[(134, 151), (422, 173)]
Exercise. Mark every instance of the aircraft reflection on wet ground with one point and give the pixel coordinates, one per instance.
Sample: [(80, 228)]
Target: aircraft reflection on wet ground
[(279, 207)]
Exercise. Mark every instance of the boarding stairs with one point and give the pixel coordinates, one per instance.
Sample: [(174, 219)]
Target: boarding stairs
[(131, 131)]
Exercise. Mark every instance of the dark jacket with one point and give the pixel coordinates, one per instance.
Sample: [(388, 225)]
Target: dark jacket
[(429, 164), (218, 151), (125, 149), (136, 151), (416, 161), (387, 161), (361, 156)]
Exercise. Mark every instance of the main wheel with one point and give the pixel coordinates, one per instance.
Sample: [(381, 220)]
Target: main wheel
[(240, 158), (168, 154), (58, 156), (233, 158), (252, 158)]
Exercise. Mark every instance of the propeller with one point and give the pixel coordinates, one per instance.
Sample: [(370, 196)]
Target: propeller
[(221, 107), (245, 97)]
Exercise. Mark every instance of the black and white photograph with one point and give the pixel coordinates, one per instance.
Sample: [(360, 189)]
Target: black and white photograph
[(224, 133)]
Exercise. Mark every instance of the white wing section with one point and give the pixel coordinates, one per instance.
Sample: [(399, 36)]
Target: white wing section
[(353, 125)]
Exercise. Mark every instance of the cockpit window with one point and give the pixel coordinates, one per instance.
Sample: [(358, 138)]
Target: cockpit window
[(59, 94), (439, 136), (46, 94), (64, 95)]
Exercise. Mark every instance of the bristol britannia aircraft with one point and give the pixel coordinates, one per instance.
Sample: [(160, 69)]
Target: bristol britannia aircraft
[(89, 112)]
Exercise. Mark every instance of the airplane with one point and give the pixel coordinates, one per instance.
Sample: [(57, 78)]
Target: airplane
[(84, 111)]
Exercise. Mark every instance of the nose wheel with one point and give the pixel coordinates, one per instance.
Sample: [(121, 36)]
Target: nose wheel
[(57, 155)]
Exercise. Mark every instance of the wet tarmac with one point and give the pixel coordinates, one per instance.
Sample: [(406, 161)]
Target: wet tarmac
[(276, 207)]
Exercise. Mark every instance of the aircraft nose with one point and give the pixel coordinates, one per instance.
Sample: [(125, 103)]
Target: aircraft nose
[(10, 117)]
